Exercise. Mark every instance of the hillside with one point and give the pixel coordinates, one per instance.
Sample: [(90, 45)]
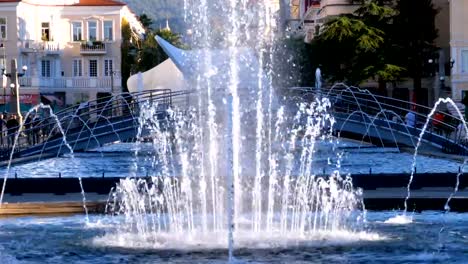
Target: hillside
[(159, 10)]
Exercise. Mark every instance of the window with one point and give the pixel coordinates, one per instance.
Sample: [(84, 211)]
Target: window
[(92, 68), (3, 28), (108, 30), (92, 30), (464, 61), (3, 63), (77, 31), (108, 67), (77, 68), (45, 68), (45, 31)]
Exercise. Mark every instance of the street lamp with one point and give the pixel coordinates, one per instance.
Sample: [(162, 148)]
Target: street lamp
[(14, 99), (113, 73), (4, 81)]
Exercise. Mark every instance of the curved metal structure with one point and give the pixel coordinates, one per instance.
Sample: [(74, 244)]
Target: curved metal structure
[(361, 115), (88, 125)]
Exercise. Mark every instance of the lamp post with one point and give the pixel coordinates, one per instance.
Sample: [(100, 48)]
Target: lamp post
[(114, 92), (112, 74), (14, 98), (4, 80)]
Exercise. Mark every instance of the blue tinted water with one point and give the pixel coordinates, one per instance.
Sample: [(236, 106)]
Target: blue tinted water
[(119, 160), (71, 240)]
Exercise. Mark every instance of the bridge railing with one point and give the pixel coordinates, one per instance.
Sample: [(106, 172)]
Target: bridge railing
[(110, 113), (350, 100)]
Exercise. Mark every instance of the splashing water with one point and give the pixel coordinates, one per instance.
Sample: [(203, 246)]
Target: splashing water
[(235, 167), (400, 220), (84, 200), (408, 219), (20, 129), (306, 206)]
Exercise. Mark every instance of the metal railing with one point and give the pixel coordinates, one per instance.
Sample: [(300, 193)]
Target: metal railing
[(93, 47), (69, 82), (35, 46), (84, 125), (390, 112)]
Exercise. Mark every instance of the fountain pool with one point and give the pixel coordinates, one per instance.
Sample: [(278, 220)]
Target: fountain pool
[(72, 240), (235, 172), (118, 160)]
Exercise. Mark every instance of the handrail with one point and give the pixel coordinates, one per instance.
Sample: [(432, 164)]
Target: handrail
[(103, 113), (360, 100), (121, 110)]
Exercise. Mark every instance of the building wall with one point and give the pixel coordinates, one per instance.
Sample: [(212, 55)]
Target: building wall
[(459, 47), (25, 42), (331, 8), (10, 48)]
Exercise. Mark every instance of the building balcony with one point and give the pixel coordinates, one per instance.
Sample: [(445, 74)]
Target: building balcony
[(47, 47), (93, 48), (64, 84)]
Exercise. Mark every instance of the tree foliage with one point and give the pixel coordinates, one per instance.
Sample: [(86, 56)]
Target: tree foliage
[(151, 54), (414, 34), (362, 40), (383, 39), (140, 54), (146, 21)]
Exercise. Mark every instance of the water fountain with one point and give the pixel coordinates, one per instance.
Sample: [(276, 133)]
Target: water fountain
[(237, 167)]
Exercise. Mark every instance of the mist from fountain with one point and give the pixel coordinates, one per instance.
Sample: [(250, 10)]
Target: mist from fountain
[(297, 204), (403, 218), (236, 166), (20, 130)]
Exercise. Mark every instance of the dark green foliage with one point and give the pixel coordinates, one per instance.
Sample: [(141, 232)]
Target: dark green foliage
[(146, 21), (140, 55), (414, 35), (151, 54), (356, 45), (385, 40)]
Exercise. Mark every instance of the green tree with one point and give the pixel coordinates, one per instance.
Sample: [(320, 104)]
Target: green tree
[(150, 53), (128, 56), (415, 33), (355, 47), (146, 21), (142, 54)]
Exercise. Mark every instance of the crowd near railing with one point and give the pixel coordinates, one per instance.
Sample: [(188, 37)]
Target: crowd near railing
[(407, 117), (85, 122)]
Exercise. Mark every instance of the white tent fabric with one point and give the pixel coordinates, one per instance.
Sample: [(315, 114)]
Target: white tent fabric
[(164, 76)]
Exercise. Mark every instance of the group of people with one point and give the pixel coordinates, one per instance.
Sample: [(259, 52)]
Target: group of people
[(440, 124), (10, 125)]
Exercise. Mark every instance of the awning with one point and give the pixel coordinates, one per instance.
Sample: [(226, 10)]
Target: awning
[(28, 99), (53, 99)]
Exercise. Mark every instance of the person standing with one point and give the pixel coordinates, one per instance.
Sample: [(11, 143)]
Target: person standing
[(318, 79), (36, 129), (28, 125), (3, 130), (460, 134), (410, 119), (12, 126)]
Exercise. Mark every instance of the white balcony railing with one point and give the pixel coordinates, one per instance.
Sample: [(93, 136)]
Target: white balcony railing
[(66, 83), (35, 46)]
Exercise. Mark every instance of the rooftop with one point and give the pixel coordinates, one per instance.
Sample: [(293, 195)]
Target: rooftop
[(70, 2)]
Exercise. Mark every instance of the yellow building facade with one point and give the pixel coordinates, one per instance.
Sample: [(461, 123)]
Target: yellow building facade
[(71, 47)]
